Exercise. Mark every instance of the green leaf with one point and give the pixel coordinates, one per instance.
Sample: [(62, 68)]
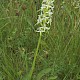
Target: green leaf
[(78, 77), (52, 78), (42, 73)]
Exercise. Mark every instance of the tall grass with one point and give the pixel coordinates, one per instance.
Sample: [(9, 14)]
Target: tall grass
[(58, 55)]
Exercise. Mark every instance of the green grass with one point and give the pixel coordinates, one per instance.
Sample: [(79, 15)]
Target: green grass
[(59, 52)]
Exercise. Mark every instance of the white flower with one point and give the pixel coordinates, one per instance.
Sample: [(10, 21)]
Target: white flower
[(43, 6), (49, 21), (42, 29), (45, 17), (44, 0), (49, 13)]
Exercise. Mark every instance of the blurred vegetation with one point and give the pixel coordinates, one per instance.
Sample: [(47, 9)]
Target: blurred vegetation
[(59, 53)]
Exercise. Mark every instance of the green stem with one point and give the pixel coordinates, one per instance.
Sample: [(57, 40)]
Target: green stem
[(35, 56)]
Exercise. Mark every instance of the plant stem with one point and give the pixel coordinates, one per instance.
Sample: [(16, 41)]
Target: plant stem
[(35, 56)]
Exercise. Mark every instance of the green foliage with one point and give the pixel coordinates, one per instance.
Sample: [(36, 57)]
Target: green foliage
[(59, 53), (42, 73)]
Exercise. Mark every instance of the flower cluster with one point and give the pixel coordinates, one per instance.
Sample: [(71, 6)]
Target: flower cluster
[(45, 17)]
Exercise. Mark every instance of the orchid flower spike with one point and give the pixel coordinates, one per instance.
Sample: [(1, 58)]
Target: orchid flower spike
[(45, 17)]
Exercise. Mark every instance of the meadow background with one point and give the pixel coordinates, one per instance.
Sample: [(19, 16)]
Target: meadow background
[(59, 53)]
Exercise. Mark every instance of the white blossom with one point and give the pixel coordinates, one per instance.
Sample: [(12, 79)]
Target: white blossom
[(45, 18)]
